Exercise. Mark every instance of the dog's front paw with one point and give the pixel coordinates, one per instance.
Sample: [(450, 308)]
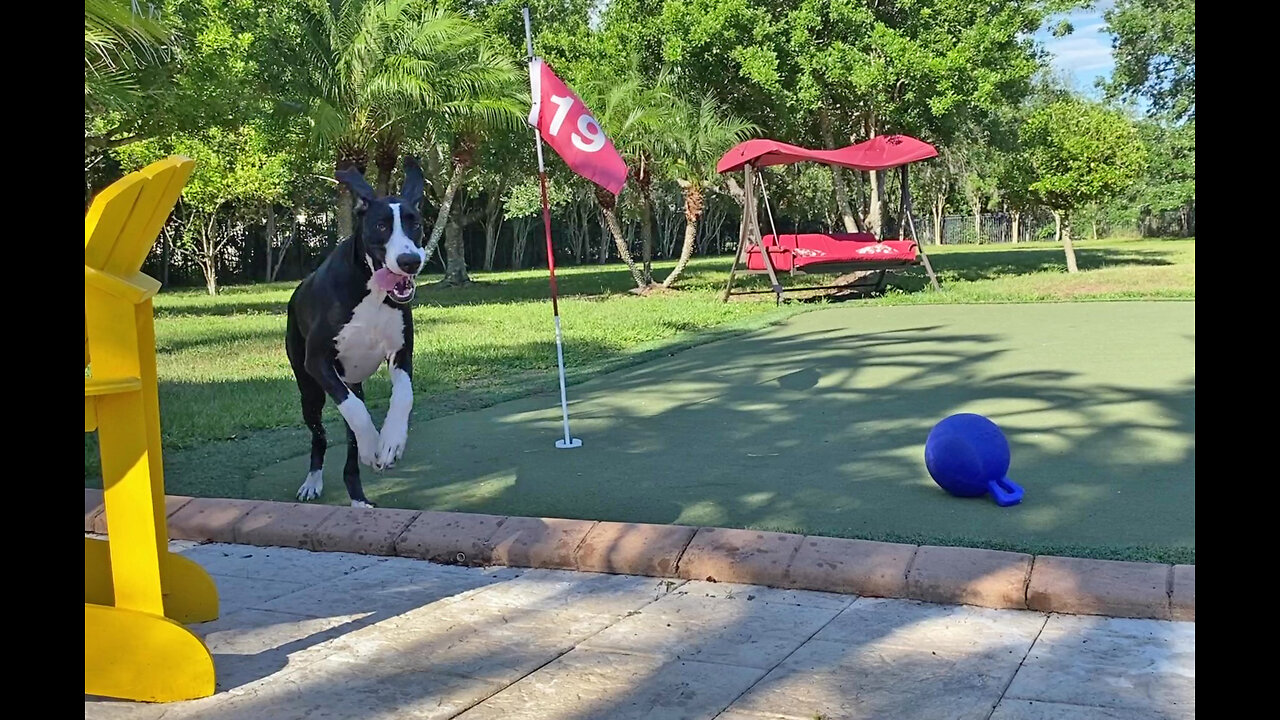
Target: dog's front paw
[(391, 444), (367, 449), (363, 429)]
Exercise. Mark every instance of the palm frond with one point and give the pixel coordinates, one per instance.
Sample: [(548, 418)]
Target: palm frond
[(699, 136), (115, 36), (382, 66), (118, 44)]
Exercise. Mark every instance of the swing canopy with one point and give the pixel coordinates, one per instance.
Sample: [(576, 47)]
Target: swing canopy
[(882, 152), (834, 252)]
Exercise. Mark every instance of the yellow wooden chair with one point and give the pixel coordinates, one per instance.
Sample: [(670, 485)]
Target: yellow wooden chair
[(136, 593)]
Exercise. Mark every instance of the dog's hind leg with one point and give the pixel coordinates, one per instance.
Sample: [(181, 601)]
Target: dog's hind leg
[(312, 407), (313, 396), (351, 471)]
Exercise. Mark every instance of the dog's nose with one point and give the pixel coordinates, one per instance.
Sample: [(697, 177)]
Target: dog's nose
[(409, 262)]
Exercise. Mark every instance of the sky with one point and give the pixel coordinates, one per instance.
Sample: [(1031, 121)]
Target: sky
[(1084, 55)]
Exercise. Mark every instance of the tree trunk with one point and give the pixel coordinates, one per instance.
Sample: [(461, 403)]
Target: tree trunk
[(580, 228), (607, 203), (860, 201), (646, 233), (302, 259), (166, 250), (604, 243), (347, 158), (284, 249), (875, 214), (271, 238), (939, 208), (692, 210), (443, 214), (492, 226), (346, 210), (1017, 225), (209, 254), (875, 209), (712, 224), (851, 222), (1095, 229), (519, 239), (455, 268), (1064, 236), (209, 266), (384, 160)]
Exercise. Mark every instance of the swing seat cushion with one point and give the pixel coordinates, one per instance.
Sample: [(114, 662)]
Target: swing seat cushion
[(812, 250)]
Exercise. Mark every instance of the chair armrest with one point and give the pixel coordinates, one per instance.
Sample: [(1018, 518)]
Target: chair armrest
[(134, 289)]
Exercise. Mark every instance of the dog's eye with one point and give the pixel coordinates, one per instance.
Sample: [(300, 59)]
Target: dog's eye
[(382, 226)]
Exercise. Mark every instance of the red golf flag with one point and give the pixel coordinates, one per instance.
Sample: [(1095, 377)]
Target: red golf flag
[(568, 127)]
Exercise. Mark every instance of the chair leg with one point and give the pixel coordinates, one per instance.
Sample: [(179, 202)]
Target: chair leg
[(131, 650), (128, 503), (140, 656), (144, 318), (190, 595)]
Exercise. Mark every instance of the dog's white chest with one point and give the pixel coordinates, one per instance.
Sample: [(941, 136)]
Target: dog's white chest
[(374, 334)]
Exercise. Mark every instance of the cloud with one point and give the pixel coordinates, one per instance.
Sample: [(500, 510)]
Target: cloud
[(1082, 54), (1086, 53)]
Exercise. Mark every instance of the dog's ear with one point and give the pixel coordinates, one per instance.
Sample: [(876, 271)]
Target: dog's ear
[(358, 186), (413, 182)]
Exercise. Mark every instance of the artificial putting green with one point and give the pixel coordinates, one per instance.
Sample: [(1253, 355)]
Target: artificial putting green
[(817, 426)]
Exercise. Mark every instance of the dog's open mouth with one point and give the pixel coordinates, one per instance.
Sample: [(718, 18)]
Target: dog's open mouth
[(400, 288)]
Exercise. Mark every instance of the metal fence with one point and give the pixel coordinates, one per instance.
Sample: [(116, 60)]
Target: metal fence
[(1171, 223), (990, 228)]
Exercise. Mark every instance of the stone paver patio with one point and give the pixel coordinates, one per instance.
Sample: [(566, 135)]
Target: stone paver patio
[(344, 636)]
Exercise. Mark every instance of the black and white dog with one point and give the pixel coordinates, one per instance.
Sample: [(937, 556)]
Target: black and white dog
[(350, 316)]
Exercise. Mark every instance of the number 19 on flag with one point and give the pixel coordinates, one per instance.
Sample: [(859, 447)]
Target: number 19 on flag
[(568, 127)]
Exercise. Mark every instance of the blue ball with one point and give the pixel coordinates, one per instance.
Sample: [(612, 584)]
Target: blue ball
[(965, 453)]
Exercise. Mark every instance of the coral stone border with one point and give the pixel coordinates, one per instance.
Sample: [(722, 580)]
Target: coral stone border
[(969, 576)]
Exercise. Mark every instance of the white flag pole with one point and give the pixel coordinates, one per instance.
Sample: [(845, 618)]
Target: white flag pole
[(569, 441)]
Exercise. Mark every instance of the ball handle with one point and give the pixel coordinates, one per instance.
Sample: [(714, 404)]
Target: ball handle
[(1005, 492)]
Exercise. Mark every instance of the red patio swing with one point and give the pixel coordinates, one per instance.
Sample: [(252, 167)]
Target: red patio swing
[(823, 253)]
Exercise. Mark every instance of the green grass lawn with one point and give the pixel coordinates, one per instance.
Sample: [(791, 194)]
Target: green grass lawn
[(227, 393), (223, 371)]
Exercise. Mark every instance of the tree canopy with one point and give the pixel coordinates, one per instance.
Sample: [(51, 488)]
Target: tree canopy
[(1155, 54), (272, 97)]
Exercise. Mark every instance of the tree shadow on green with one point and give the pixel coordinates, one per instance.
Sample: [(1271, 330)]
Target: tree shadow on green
[(822, 433)]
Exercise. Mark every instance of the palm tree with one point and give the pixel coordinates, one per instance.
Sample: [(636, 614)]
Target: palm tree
[(633, 115), (487, 96), (696, 140), (641, 150), (372, 66)]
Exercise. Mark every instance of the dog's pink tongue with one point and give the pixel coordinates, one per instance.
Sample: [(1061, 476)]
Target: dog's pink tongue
[(386, 279)]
